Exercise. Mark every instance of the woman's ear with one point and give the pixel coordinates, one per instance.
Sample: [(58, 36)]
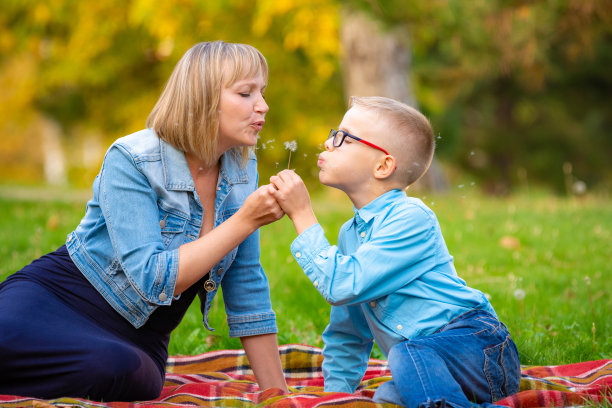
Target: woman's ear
[(385, 167)]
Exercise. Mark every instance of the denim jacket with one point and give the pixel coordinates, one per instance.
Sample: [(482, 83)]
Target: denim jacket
[(145, 206)]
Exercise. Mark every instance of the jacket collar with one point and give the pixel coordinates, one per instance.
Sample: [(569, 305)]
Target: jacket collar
[(178, 177)]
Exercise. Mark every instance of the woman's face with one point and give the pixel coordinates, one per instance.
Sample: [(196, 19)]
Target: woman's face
[(242, 110)]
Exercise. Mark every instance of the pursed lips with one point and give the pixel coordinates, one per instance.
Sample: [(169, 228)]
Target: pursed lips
[(258, 125), (320, 161)]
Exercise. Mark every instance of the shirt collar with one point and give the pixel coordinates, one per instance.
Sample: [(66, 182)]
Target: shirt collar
[(374, 207), (178, 177)]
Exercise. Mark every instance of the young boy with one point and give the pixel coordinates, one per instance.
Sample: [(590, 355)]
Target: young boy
[(391, 278)]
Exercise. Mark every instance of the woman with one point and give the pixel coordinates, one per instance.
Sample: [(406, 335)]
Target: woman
[(175, 212)]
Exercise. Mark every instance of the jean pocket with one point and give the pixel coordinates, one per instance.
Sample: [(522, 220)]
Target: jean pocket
[(502, 369), (490, 323)]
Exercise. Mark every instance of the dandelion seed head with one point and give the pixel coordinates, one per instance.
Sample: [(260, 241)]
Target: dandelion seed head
[(291, 146), (519, 294)]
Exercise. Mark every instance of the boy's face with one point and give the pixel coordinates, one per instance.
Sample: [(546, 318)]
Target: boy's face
[(350, 166)]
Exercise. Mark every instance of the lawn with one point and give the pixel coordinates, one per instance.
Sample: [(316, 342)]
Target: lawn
[(544, 262)]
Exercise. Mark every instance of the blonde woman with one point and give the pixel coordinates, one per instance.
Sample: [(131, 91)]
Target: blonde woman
[(175, 212)]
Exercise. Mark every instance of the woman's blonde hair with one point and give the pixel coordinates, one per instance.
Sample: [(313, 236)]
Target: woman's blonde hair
[(186, 114)]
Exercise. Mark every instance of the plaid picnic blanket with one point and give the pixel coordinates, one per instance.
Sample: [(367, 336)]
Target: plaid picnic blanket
[(223, 378)]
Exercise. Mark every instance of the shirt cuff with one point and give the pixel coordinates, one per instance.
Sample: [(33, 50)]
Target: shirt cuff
[(309, 243)]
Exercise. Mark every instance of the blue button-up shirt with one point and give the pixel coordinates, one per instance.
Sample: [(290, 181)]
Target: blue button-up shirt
[(390, 278), (144, 207)]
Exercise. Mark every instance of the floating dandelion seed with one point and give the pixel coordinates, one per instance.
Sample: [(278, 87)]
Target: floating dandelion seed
[(519, 294), (292, 147)]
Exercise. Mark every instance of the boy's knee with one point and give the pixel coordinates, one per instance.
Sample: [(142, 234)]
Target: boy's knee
[(402, 350), (399, 355)]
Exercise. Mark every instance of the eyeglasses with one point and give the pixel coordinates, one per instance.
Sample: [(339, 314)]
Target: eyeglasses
[(338, 137)]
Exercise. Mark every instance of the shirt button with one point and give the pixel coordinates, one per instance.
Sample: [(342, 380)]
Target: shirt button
[(362, 234), (218, 188), (298, 254), (316, 283), (372, 303), (162, 297), (400, 327), (220, 271)]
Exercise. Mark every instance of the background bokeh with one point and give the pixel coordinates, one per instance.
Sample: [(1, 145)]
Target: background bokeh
[(518, 91)]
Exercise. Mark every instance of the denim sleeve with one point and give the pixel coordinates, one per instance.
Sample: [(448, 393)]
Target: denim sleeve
[(130, 210), (246, 293), (397, 252), (348, 344)]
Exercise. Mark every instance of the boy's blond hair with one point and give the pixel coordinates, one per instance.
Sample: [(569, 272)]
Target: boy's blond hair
[(410, 137), (186, 114)]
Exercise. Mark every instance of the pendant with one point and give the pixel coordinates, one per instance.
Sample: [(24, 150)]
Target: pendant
[(209, 285)]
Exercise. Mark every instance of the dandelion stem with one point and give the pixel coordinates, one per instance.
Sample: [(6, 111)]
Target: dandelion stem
[(593, 330), (291, 146), (588, 283)]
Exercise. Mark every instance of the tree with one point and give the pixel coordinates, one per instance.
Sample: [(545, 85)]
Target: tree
[(92, 70), (500, 80), (376, 62)]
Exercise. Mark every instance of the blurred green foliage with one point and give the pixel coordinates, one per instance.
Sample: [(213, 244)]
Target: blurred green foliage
[(514, 89)]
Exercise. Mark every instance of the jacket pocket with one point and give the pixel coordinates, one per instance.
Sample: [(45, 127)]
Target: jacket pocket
[(172, 229)]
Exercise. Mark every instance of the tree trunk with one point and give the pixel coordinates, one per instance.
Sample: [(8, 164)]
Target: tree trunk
[(376, 62), (54, 161)]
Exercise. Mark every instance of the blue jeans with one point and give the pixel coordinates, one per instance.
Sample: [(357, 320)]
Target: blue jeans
[(470, 360)]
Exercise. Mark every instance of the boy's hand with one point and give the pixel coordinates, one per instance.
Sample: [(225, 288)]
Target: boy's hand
[(291, 194)]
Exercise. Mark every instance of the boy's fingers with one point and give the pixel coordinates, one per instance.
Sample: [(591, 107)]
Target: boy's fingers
[(287, 174), (276, 181)]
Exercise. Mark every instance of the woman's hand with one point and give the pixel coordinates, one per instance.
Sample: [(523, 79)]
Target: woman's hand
[(261, 208), (199, 256)]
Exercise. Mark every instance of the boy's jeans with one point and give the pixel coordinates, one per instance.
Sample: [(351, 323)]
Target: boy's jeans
[(470, 360)]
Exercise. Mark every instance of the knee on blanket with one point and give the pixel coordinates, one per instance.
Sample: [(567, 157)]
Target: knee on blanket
[(121, 373)]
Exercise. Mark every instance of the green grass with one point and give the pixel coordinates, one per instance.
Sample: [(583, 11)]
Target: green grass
[(545, 246)]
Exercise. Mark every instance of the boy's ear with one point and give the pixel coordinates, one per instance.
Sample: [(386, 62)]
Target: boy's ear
[(385, 167)]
